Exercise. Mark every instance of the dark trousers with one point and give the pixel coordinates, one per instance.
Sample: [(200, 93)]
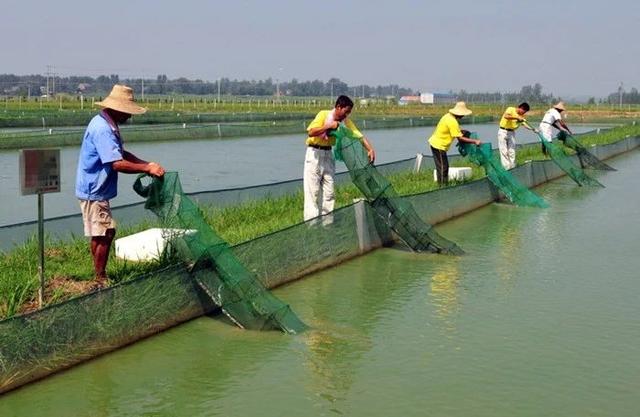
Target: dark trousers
[(442, 165)]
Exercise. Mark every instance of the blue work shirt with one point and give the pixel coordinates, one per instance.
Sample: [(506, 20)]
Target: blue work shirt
[(96, 179)]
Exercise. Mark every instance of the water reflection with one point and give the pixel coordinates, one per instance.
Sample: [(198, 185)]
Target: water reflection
[(444, 289)]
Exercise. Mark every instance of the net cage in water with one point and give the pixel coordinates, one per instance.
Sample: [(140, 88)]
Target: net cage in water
[(517, 193), (562, 160), (399, 214), (587, 159), (215, 268)]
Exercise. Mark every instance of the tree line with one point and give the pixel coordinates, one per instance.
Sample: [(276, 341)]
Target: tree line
[(35, 85), (532, 94)]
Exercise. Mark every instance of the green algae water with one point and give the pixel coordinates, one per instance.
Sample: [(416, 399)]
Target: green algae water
[(539, 318)]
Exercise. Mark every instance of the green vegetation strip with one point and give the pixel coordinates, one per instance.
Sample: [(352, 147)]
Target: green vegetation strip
[(69, 266)]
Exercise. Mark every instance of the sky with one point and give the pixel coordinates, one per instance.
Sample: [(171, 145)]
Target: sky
[(573, 48)]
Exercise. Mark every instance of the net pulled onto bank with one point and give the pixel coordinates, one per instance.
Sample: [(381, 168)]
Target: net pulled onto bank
[(400, 215), (517, 193), (587, 159), (216, 269), (558, 156)]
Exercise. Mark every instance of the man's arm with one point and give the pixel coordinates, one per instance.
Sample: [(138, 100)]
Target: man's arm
[(371, 153), (517, 117), (319, 131), (563, 126), (468, 140), (512, 117), (131, 164)]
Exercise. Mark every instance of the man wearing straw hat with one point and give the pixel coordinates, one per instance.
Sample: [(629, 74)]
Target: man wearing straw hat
[(102, 156), (446, 131), (553, 119)]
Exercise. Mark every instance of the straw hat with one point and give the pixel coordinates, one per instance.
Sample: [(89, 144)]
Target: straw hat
[(121, 99), (560, 106), (460, 109)]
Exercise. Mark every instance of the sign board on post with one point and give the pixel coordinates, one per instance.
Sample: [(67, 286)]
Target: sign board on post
[(39, 171), (39, 174)]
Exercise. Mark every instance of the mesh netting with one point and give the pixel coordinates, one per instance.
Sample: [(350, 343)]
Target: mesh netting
[(517, 193), (396, 212), (587, 159), (215, 267), (58, 336), (559, 157)]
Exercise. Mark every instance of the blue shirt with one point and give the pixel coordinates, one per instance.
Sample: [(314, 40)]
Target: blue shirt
[(96, 179)]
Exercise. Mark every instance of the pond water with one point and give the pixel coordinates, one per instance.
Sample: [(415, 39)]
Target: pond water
[(210, 165), (540, 318)]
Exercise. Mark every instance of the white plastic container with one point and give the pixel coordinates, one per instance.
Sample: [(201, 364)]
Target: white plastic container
[(147, 245), (456, 173)]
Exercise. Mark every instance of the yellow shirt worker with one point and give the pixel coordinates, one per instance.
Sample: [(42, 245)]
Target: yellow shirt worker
[(325, 140), (511, 120), (446, 131), (319, 165)]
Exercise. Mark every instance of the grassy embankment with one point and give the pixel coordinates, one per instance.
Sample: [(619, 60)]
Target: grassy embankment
[(69, 267)]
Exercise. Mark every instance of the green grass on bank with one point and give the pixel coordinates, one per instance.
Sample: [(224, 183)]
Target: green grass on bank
[(247, 221), (69, 266), (70, 261)]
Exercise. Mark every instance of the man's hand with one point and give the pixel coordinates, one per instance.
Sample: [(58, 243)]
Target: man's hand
[(332, 125), (372, 155), (477, 142), (155, 169)]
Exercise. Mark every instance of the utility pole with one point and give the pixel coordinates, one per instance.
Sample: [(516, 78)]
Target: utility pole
[(142, 98), (620, 94), (278, 83), (48, 73), (218, 90)]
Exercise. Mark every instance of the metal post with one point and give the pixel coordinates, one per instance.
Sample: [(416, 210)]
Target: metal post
[(418, 163), (364, 239), (41, 248)]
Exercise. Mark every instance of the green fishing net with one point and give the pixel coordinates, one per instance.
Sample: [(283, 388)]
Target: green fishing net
[(517, 193), (214, 266), (587, 159), (561, 159), (400, 215)]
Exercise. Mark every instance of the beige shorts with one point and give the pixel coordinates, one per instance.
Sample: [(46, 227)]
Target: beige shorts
[(97, 218)]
